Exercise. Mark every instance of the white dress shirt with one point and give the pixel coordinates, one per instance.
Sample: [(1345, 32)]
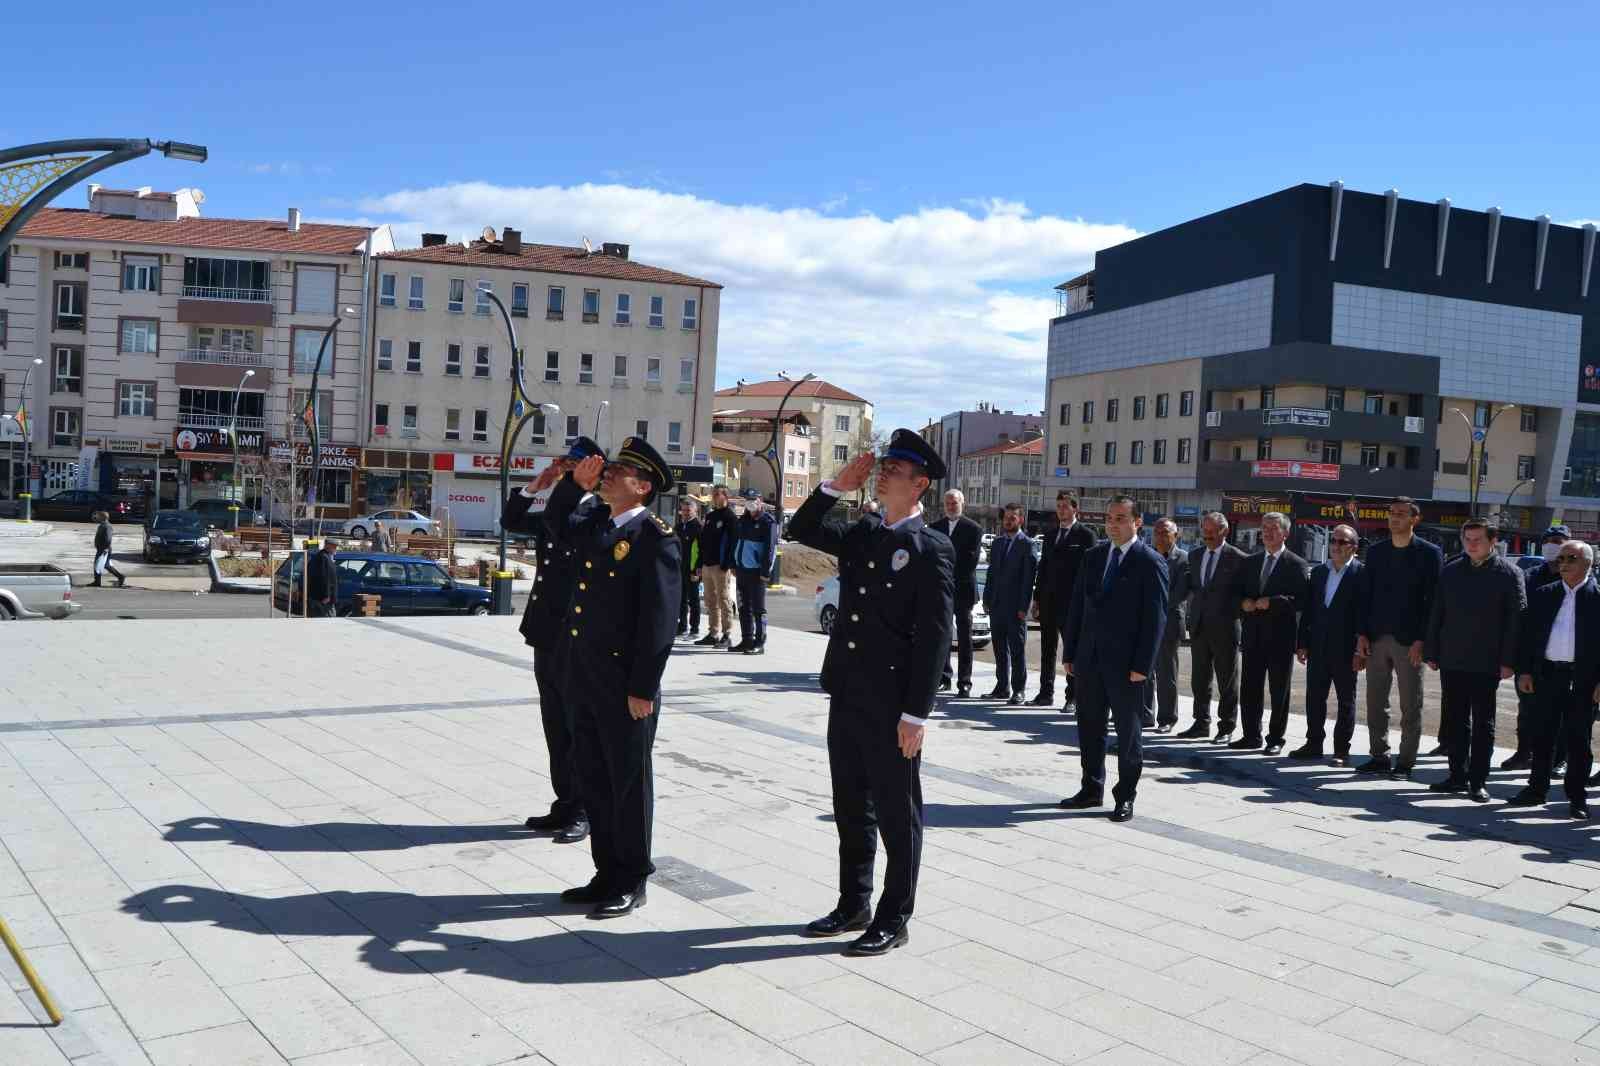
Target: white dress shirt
[(1562, 646), (1335, 575), (627, 516)]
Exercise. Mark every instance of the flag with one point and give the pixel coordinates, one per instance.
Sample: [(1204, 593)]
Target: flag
[(22, 419)]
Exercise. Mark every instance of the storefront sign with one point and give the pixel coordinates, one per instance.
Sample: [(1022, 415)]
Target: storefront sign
[(487, 465), (214, 443), (1589, 383), (1296, 416), (1244, 506), (691, 474), (1290, 468), (138, 445), (1062, 471), (334, 456)]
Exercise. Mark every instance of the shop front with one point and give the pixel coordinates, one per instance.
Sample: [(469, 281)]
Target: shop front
[(335, 482), (204, 465), (390, 479), (466, 488), (1314, 515)]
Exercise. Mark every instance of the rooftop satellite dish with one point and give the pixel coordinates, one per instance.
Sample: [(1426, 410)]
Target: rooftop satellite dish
[(199, 197), (588, 249), (488, 234)]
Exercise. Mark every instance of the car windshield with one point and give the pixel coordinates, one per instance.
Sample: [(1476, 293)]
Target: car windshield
[(174, 521), (982, 575)]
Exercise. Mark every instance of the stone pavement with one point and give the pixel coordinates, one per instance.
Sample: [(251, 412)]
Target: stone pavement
[(277, 841)]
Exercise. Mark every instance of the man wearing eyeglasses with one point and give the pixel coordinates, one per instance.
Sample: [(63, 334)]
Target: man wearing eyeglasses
[(1330, 614), (1559, 665), (1527, 704)]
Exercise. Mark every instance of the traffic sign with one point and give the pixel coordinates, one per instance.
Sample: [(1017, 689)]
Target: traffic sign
[(1478, 435)]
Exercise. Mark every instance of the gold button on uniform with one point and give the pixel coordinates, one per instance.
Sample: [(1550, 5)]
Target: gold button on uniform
[(574, 632), (577, 608), (588, 565), (852, 643), (582, 585), (855, 618)]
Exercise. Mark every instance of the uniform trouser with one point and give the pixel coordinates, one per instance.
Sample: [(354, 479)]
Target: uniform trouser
[(1050, 640), (689, 606), (1466, 712), (549, 673), (963, 648), (875, 790), (1104, 692), (752, 606), (1566, 717), (1215, 651), (1321, 673), (1387, 664), (719, 599), (611, 751), (1275, 666), (1010, 638)]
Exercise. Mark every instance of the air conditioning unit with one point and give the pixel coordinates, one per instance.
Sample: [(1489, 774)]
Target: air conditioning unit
[(1213, 419)]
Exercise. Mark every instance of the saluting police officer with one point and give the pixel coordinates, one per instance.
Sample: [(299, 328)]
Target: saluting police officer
[(885, 655), (544, 628), (620, 629)]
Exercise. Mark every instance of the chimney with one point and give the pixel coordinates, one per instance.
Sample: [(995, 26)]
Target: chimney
[(433, 240), (94, 187), (294, 220), (611, 248), (511, 241)]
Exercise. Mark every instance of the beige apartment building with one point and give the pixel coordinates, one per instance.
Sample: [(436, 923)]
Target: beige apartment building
[(148, 320), (751, 430), (841, 421), (623, 348), (1001, 474)]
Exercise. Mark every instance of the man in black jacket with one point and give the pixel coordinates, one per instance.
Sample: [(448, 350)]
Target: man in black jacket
[(1214, 573), (1161, 691), (1527, 702), (881, 672), (717, 535), (1064, 549), (1007, 591), (966, 536), (1472, 641), (1273, 581), (689, 544), (754, 550), (1330, 615), (323, 582)]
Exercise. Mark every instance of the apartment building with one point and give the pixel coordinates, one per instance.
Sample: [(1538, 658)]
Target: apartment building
[(960, 432), (1003, 473), (841, 421), (623, 348), (150, 321), (751, 430)]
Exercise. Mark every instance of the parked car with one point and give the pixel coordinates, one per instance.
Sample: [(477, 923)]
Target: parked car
[(30, 590), (76, 505), (217, 514), (405, 584), (984, 541), (394, 521), (176, 536), (826, 605)]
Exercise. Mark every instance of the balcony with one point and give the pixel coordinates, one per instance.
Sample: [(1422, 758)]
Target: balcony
[(1342, 425), (208, 292), (222, 357), (221, 368), (234, 307), (206, 420)]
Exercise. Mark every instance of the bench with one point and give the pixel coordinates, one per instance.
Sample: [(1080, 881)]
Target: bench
[(260, 538), (429, 547)]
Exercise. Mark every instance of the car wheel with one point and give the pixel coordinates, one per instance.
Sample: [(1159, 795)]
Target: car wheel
[(825, 619), (358, 531), (980, 644), (6, 614), (479, 608)]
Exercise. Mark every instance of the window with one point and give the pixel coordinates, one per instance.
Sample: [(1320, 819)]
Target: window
[(3, 324), (641, 429), (452, 360), (452, 423), (414, 301), (208, 278), (1413, 457), (1334, 400), (1332, 451), (841, 453), (1159, 454), (480, 425), (1183, 449), (413, 357), (658, 312), (1085, 454), (139, 335), (1186, 403), (1111, 410), (1530, 421), (385, 353), (555, 307), (586, 368), (5, 267), (573, 429), (1369, 456), (1088, 412), (841, 423), (68, 370), (519, 300), (591, 305), (1263, 447), (1065, 417), (691, 313), (1136, 453), (652, 372), (1063, 454), (1269, 397), (482, 290), (72, 260), (1138, 408), (685, 374), (69, 305), (136, 399), (481, 362), (306, 344), (1525, 467), (624, 309), (141, 273), (1110, 452), (619, 368), (552, 366), (316, 289), (380, 419), (1480, 416), (386, 287), (1372, 404), (214, 407), (674, 436), (66, 427), (457, 304), (408, 420)]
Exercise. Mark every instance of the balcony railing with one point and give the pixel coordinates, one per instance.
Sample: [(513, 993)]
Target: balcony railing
[(206, 420), (207, 292), (222, 357)]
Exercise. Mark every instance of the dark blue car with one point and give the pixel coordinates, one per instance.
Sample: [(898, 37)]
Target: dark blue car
[(405, 584)]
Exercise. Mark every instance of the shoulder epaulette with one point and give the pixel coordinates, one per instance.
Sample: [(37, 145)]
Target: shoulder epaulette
[(660, 524)]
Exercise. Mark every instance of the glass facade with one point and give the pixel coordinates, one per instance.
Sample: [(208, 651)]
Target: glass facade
[(1583, 457)]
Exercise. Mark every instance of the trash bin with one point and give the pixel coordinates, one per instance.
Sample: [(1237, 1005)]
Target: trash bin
[(502, 592)]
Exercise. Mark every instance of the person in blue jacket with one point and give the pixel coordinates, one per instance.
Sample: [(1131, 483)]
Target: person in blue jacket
[(754, 549)]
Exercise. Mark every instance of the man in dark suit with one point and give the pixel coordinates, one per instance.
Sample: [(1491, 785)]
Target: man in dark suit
[(1559, 663), (1064, 549), (966, 535), (1161, 691), (1330, 617), (1113, 630), (1214, 570), (323, 582), (1007, 591), (1274, 580), (881, 672)]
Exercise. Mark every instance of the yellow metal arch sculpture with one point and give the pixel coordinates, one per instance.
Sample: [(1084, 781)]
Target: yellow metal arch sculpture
[(19, 181)]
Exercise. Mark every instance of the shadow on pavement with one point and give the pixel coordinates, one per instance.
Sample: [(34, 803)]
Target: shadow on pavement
[(771, 680), (335, 836)]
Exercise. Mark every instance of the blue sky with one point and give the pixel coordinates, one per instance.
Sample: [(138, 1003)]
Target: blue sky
[(888, 191)]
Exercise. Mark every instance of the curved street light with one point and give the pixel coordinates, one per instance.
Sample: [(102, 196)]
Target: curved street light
[(771, 456), (598, 411), (26, 430), (233, 432), (1478, 450), (309, 415)]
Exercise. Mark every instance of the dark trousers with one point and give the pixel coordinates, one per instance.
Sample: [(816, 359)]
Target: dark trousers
[(1215, 651), (1161, 691), (1274, 666), (1321, 673), (611, 751), (549, 670), (752, 588), (1566, 717), (1010, 635), (1107, 693), (875, 790), (1527, 721), (105, 554), (689, 606), (1466, 712), (963, 648), (1049, 654)]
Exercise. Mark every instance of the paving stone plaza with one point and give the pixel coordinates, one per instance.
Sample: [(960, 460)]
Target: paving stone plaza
[(301, 842)]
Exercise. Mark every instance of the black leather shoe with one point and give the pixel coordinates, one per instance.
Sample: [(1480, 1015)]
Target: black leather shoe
[(1068, 705), (1222, 736), (997, 694), (1578, 811), (548, 822), (1197, 731), (1438, 749), (742, 647), (944, 686), (1014, 700), (1045, 698), (1147, 721), (1402, 770), (1339, 759), (619, 905), (683, 631), (839, 921), (1164, 728), (1245, 744), (1519, 760), (1082, 801), (573, 831), (1559, 768), (593, 892), (878, 942), (756, 649), (1594, 780), (707, 640), (1478, 794), (723, 642), (1378, 764), (1272, 747), (1306, 751), (1527, 798), (964, 692), (1449, 784), (1123, 811)]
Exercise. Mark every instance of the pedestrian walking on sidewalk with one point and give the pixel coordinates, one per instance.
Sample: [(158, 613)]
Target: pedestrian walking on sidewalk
[(755, 547), (689, 544), (717, 535), (888, 646), (102, 550), (382, 540), (322, 581)]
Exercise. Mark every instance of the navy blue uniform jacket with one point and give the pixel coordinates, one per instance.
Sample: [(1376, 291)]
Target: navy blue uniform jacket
[(544, 618), (1120, 628)]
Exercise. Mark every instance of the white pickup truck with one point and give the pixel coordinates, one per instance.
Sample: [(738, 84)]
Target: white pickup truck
[(35, 591)]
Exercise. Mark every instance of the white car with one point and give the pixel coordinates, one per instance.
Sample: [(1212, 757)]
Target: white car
[(406, 522), (985, 541), (827, 608)]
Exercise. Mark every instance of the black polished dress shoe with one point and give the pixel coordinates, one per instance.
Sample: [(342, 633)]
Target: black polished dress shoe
[(997, 694), (707, 640), (575, 830), (1558, 768), (1594, 780), (547, 822), (593, 892), (1527, 798), (1272, 747), (619, 905), (1164, 728), (1339, 759), (944, 685), (756, 649), (1378, 764), (878, 942), (1245, 744), (1307, 750), (1082, 801), (1014, 700), (723, 642), (1222, 736), (1449, 784), (1438, 749), (839, 921), (1069, 705), (741, 647), (1123, 811), (1045, 698), (1197, 731), (1519, 760), (1478, 794), (1402, 771), (1578, 812), (963, 692), (1147, 721)]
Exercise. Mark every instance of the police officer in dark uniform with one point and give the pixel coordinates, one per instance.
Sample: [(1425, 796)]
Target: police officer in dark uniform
[(620, 630), (887, 650), (544, 628)]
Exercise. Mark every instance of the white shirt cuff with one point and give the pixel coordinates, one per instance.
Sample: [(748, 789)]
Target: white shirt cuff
[(913, 719), (526, 494), (827, 486)]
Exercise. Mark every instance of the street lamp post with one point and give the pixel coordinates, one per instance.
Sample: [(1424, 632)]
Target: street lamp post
[(313, 425), (1478, 450), (771, 457), (1514, 490), (598, 411), (233, 432), (27, 439)]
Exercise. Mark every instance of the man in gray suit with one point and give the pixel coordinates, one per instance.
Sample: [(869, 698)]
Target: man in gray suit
[(1161, 691), (1214, 572), (1007, 594)]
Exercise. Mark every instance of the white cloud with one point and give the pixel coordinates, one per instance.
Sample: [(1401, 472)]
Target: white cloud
[(922, 313)]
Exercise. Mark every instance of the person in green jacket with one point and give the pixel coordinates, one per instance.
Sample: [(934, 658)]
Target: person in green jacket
[(689, 536)]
